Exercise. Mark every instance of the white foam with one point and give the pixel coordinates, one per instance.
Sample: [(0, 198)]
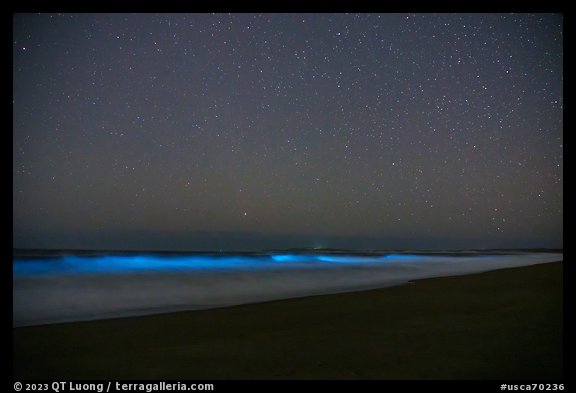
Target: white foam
[(63, 297)]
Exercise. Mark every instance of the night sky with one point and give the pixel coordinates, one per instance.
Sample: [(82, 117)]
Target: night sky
[(255, 131)]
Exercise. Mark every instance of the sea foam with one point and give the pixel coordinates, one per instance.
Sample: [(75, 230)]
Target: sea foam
[(80, 288)]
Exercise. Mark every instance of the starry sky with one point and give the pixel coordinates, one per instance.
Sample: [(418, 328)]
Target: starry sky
[(255, 131)]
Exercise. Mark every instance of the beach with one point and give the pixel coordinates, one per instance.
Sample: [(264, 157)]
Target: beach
[(501, 324), (73, 288)]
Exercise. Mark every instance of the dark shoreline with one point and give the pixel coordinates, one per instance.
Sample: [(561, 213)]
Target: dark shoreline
[(503, 324)]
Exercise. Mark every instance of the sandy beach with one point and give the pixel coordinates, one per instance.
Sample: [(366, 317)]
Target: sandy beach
[(74, 289), (287, 196), (504, 324)]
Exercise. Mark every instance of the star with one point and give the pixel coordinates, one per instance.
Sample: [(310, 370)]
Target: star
[(321, 125)]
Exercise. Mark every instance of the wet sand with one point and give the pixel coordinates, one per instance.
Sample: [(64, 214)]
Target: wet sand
[(504, 324)]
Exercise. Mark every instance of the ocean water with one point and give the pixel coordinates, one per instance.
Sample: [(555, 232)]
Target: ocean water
[(63, 287)]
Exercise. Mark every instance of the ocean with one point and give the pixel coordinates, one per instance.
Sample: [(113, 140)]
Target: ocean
[(66, 286)]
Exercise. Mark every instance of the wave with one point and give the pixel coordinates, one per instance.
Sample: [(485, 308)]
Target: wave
[(77, 288)]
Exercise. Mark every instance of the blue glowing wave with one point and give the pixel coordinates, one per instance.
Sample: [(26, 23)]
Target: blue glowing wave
[(79, 287), (152, 263)]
